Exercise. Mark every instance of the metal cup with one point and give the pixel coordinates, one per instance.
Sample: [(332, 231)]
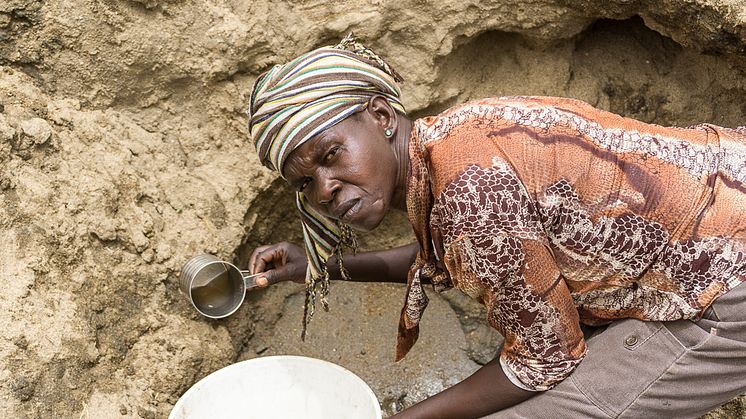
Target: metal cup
[(215, 288)]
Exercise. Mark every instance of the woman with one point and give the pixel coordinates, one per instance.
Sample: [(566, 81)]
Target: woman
[(550, 212)]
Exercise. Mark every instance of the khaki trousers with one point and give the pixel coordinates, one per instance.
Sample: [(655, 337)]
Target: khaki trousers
[(637, 369)]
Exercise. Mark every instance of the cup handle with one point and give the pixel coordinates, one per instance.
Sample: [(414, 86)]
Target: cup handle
[(249, 280)]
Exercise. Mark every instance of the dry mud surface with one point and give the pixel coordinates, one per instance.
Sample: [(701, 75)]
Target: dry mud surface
[(123, 153)]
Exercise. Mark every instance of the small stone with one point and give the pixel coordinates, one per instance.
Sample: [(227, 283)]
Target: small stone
[(62, 112), (123, 410), (104, 232), (7, 133), (148, 255), (69, 380), (147, 228), (21, 342), (91, 353), (23, 388), (38, 129), (145, 413), (139, 240), (164, 252)]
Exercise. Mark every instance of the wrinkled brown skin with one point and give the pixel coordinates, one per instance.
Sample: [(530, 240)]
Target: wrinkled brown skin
[(354, 162)]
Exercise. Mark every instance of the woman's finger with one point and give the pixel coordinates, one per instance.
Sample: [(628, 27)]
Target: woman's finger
[(271, 276), (274, 256), (254, 255), (262, 281), (261, 261), (286, 272)]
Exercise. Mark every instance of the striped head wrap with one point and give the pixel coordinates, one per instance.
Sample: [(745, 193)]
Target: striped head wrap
[(293, 102)]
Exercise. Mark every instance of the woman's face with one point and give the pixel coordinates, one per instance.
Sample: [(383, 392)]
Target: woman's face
[(347, 172)]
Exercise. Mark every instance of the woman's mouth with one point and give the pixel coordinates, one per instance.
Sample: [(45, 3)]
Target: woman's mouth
[(349, 209)]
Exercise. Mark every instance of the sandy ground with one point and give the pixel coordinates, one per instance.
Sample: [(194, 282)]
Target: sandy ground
[(123, 153)]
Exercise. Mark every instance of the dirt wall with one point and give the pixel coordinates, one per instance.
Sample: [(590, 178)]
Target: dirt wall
[(123, 152)]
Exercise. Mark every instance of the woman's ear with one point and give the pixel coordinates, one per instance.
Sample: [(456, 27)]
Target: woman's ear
[(383, 114)]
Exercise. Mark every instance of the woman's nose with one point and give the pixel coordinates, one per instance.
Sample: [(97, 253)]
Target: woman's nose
[(328, 188)]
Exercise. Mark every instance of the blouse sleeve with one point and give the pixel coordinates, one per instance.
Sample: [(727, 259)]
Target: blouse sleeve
[(496, 251)]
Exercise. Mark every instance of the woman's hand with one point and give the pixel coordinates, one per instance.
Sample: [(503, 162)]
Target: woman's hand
[(280, 262)]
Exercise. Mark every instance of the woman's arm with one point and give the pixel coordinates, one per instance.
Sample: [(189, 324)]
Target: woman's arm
[(486, 391), (390, 265), (287, 262)]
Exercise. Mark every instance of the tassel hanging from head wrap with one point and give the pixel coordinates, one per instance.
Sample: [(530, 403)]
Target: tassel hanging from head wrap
[(318, 286)]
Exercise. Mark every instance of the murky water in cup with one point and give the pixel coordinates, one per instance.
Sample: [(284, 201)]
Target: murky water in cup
[(216, 288)]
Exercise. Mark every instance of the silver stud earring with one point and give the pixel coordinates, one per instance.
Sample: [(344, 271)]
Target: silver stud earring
[(388, 132)]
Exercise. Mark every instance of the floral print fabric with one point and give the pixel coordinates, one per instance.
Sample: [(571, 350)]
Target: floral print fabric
[(553, 213)]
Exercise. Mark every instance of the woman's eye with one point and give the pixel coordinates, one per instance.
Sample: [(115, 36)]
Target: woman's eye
[(331, 153)]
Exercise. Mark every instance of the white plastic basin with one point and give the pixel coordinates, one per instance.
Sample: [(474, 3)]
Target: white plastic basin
[(279, 387)]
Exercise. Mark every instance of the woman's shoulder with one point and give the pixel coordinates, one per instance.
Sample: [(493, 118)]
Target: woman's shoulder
[(507, 109), (479, 106)]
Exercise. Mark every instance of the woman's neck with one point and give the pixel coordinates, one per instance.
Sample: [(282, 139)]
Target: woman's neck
[(401, 151)]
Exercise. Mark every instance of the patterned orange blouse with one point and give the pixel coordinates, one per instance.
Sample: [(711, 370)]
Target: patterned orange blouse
[(553, 213)]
